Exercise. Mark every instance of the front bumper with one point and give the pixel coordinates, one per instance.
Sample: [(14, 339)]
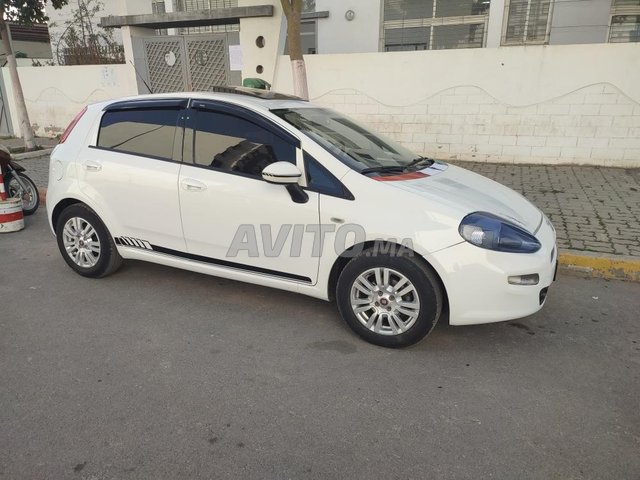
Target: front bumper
[(477, 284)]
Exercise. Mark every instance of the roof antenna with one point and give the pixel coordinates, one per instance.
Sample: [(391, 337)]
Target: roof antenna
[(140, 77)]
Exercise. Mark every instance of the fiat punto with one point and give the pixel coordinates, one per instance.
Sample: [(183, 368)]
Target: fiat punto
[(268, 189)]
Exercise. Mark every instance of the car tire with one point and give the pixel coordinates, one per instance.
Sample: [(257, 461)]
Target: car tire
[(85, 243), (389, 300)]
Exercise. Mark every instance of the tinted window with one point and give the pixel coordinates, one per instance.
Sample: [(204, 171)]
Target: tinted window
[(144, 132), (321, 180), (233, 144)]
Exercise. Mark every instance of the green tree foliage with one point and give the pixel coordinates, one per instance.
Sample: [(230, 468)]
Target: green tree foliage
[(27, 11), (83, 42)]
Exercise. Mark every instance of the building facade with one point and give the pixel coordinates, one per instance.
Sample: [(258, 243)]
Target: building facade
[(526, 81), (364, 26)]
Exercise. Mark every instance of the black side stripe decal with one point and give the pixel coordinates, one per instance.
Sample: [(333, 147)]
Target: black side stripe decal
[(144, 245), (133, 242)]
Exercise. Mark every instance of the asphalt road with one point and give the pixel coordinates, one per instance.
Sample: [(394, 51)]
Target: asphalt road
[(165, 374)]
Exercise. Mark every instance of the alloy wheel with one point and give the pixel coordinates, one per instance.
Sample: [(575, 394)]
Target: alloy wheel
[(81, 242), (385, 301)]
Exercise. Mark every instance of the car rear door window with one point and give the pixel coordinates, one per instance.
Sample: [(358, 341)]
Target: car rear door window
[(147, 132), (233, 144)]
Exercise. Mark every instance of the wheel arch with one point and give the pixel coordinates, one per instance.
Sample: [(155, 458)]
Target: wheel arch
[(59, 208), (346, 256)]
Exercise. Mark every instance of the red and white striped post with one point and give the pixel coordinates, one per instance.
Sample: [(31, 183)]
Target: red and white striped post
[(3, 193)]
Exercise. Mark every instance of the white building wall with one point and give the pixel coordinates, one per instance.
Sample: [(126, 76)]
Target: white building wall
[(273, 30), (53, 103), (336, 34), (563, 104)]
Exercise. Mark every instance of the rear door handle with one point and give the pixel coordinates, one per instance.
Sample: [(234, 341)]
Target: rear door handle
[(91, 166), (191, 185)]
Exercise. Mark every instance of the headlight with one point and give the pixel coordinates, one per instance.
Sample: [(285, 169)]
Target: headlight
[(494, 233)]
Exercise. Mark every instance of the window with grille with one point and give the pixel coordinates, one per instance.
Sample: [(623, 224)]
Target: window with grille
[(194, 5), (527, 22), (625, 21), (158, 6), (434, 24)]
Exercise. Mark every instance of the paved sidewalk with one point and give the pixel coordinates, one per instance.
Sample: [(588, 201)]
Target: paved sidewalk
[(593, 209)]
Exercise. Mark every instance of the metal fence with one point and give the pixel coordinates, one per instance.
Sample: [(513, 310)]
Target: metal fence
[(92, 55)]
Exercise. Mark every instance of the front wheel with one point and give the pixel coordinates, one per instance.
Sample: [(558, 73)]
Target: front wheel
[(28, 194), (391, 301)]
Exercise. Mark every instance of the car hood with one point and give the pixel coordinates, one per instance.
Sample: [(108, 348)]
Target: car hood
[(468, 192)]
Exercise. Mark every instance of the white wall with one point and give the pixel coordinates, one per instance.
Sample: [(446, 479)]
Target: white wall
[(54, 95), (335, 33), (575, 104), (360, 35), (273, 29)]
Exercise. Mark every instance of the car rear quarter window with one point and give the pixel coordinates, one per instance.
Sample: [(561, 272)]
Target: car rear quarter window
[(230, 143), (147, 132)]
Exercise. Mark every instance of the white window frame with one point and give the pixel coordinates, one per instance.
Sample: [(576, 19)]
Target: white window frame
[(524, 41)]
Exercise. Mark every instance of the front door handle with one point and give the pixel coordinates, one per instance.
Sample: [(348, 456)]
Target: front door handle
[(191, 185), (91, 166)]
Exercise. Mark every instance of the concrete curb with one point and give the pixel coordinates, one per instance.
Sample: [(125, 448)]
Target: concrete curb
[(34, 154), (599, 265)]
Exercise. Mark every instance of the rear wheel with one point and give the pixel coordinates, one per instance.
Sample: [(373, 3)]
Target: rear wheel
[(29, 194), (392, 301), (85, 243)]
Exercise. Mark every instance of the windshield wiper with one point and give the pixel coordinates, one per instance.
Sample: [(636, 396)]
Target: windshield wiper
[(383, 169), (419, 161)]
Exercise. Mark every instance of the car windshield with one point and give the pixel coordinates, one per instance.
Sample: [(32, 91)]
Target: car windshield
[(353, 144)]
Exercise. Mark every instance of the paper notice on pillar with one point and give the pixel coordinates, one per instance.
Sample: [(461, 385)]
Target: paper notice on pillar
[(108, 77), (235, 57)]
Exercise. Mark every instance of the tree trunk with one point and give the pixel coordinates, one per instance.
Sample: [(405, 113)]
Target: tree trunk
[(23, 116), (293, 10)]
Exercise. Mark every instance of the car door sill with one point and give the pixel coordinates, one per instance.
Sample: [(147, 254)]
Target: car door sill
[(128, 242)]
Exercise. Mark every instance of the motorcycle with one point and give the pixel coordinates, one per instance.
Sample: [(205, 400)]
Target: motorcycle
[(18, 184)]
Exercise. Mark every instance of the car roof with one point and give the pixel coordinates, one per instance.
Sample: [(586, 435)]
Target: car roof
[(249, 97)]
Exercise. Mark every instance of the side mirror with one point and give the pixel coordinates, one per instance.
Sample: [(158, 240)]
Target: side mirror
[(287, 174), (281, 173)]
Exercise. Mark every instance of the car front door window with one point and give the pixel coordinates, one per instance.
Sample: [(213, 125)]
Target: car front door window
[(235, 145)]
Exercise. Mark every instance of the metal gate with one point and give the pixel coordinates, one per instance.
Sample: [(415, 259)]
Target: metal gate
[(187, 63)]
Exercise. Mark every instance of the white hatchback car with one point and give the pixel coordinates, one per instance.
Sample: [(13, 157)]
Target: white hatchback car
[(268, 189)]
